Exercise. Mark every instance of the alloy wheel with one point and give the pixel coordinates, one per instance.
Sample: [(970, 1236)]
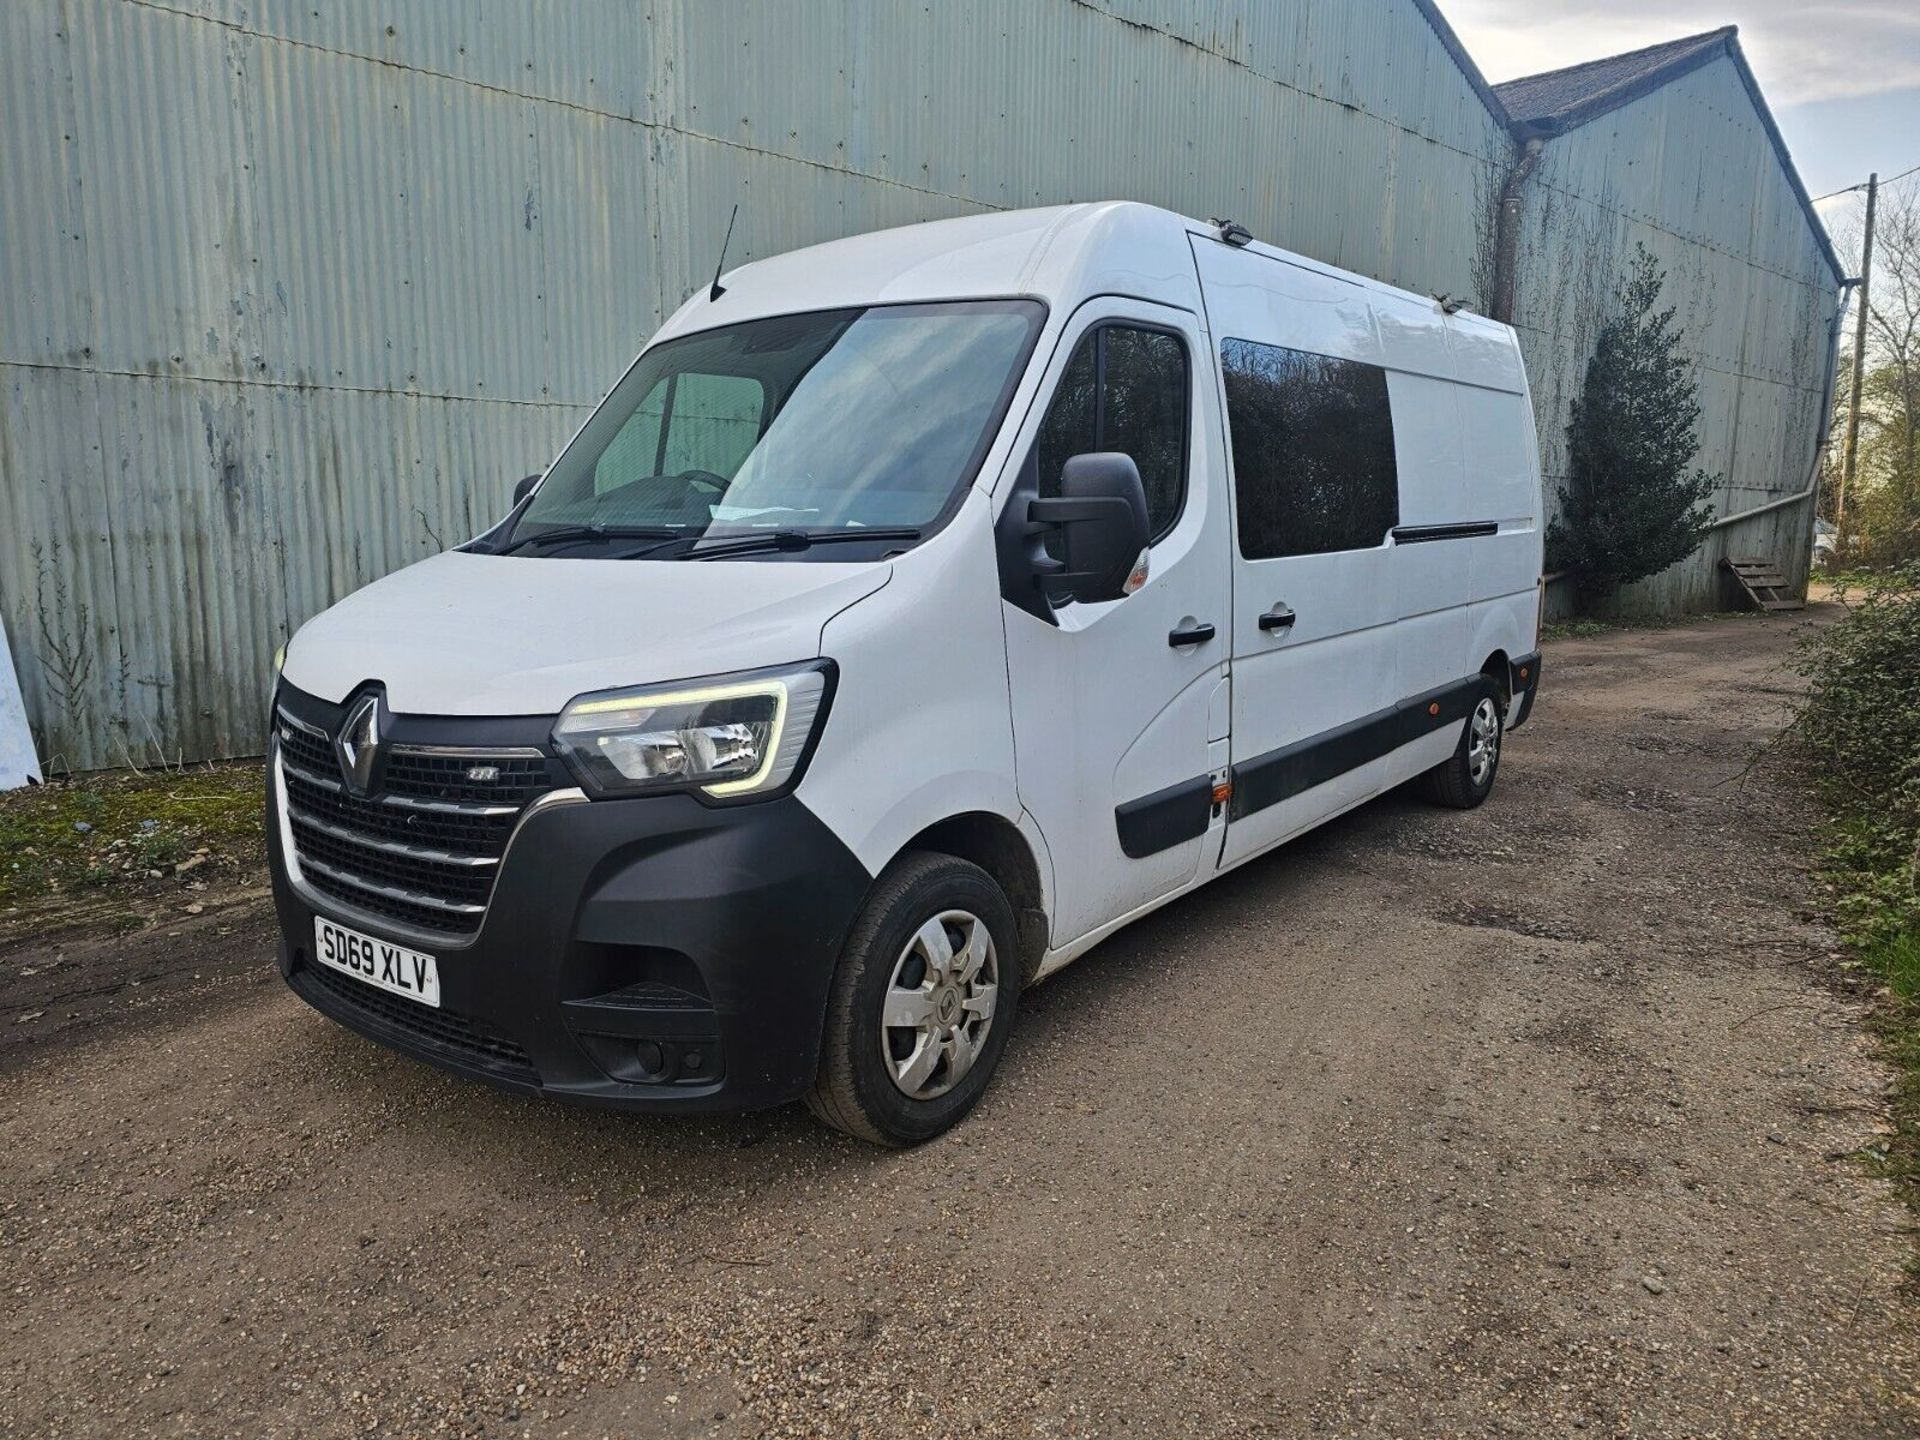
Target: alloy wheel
[(939, 1004), (1483, 741)]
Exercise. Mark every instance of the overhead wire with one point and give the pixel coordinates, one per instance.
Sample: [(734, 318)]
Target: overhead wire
[(1849, 189)]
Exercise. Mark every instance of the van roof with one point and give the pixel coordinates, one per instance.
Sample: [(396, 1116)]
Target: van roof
[(1059, 252), (1052, 253)]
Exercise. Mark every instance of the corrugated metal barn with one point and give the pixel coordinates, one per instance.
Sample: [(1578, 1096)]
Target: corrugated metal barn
[(290, 294), (1672, 148)]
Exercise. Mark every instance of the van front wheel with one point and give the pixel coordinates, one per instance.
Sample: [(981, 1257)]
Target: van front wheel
[(921, 1005), (1465, 778)]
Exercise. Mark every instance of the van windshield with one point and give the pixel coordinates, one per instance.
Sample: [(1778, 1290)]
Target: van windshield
[(811, 425)]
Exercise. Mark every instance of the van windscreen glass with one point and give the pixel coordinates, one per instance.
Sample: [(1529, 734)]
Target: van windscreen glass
[(822, 423)]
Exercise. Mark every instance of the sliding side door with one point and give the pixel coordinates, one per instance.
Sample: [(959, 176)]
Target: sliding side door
[(1311, 445)]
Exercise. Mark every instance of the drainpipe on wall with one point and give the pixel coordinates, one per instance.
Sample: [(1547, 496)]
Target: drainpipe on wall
[(1506, 228)]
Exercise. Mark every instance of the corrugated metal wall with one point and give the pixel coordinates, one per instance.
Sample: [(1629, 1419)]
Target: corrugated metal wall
[(1689, 172), (291, 293)]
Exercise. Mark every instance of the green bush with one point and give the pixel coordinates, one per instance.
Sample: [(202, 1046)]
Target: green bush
[(1860, 727)]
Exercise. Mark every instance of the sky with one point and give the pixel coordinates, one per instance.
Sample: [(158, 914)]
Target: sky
[(1841, 77)]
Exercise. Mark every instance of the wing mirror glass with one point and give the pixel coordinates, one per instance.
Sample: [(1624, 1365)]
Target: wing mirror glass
[(1101, 516)]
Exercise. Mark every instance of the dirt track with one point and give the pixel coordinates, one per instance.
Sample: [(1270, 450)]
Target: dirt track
[(1520, 1122)]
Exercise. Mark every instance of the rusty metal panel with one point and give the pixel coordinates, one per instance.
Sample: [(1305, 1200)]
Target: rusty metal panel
[(1689, 172), (290, 293)]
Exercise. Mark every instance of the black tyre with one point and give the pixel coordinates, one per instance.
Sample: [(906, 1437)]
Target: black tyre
[(1465, 778), (921, 1004)]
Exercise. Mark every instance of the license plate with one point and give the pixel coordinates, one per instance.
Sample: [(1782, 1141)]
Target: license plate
[(391, 967)]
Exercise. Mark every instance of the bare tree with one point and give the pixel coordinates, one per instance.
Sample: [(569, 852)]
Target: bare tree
[(1892, 391), (1882, 523)]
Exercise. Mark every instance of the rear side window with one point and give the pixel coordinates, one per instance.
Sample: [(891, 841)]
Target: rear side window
[(1313, 459), (1125, 389)]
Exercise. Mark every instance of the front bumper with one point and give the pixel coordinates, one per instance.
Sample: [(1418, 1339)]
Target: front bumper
[(652, 954)]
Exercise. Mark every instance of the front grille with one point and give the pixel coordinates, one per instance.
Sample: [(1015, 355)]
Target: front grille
[(306, 749), (431, 919), (477, 830), (422, 775), (461, 888), (425, 850), (469, 1040)]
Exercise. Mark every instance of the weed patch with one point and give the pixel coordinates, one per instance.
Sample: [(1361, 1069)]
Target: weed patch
[(129, 833), (1592, 627)]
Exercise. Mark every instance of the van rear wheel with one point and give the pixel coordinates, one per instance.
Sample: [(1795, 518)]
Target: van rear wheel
[(921, 1004), (1465, 778)]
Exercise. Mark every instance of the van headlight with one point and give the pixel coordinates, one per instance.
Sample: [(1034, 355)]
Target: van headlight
[(729, 736)]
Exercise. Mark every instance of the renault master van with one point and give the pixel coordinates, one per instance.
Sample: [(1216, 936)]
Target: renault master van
[(918, 610)]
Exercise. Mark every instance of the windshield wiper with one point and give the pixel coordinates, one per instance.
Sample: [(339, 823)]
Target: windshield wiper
[(560, 534), (797, 540)]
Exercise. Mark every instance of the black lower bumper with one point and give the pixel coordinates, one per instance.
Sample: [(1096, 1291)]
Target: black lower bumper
[(652, 953), (1525, 677)]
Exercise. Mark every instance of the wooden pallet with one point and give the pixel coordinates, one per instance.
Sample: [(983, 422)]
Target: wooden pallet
[(1764, 584)]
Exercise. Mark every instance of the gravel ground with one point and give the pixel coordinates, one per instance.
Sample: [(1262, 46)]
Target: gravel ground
[(1531, 1121)]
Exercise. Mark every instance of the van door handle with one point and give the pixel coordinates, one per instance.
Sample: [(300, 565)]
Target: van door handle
[(1280, 617), (1190, 635)]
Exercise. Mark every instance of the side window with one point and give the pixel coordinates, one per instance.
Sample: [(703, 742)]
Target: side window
[(687, 422), (1313, 458), (1124, 389)]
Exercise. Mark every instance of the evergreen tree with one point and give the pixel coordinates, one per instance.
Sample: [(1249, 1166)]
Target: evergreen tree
[(1631, 506)]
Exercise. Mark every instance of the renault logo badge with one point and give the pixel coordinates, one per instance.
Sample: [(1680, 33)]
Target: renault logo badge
[(358, 745)]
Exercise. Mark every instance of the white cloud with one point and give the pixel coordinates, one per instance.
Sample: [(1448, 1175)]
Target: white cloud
[(1800, 52)]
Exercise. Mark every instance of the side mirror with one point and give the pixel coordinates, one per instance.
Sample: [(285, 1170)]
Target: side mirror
[(1101, 512), (524, 488)]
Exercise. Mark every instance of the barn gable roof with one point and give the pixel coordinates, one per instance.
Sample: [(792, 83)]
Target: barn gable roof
[(1457, 52), (1561, 100)]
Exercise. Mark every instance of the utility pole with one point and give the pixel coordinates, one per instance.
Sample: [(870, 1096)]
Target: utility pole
[(1859, 364)]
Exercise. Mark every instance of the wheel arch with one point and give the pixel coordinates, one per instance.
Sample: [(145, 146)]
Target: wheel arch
[(1498, 667), (996, 845)]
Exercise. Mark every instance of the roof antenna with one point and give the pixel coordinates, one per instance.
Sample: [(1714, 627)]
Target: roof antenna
[(718, 289)]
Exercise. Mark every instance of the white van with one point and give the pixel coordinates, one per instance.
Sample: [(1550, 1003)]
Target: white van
[(915, 612)]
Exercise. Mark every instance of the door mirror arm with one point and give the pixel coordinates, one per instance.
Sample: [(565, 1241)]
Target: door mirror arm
[(1051, 515)]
